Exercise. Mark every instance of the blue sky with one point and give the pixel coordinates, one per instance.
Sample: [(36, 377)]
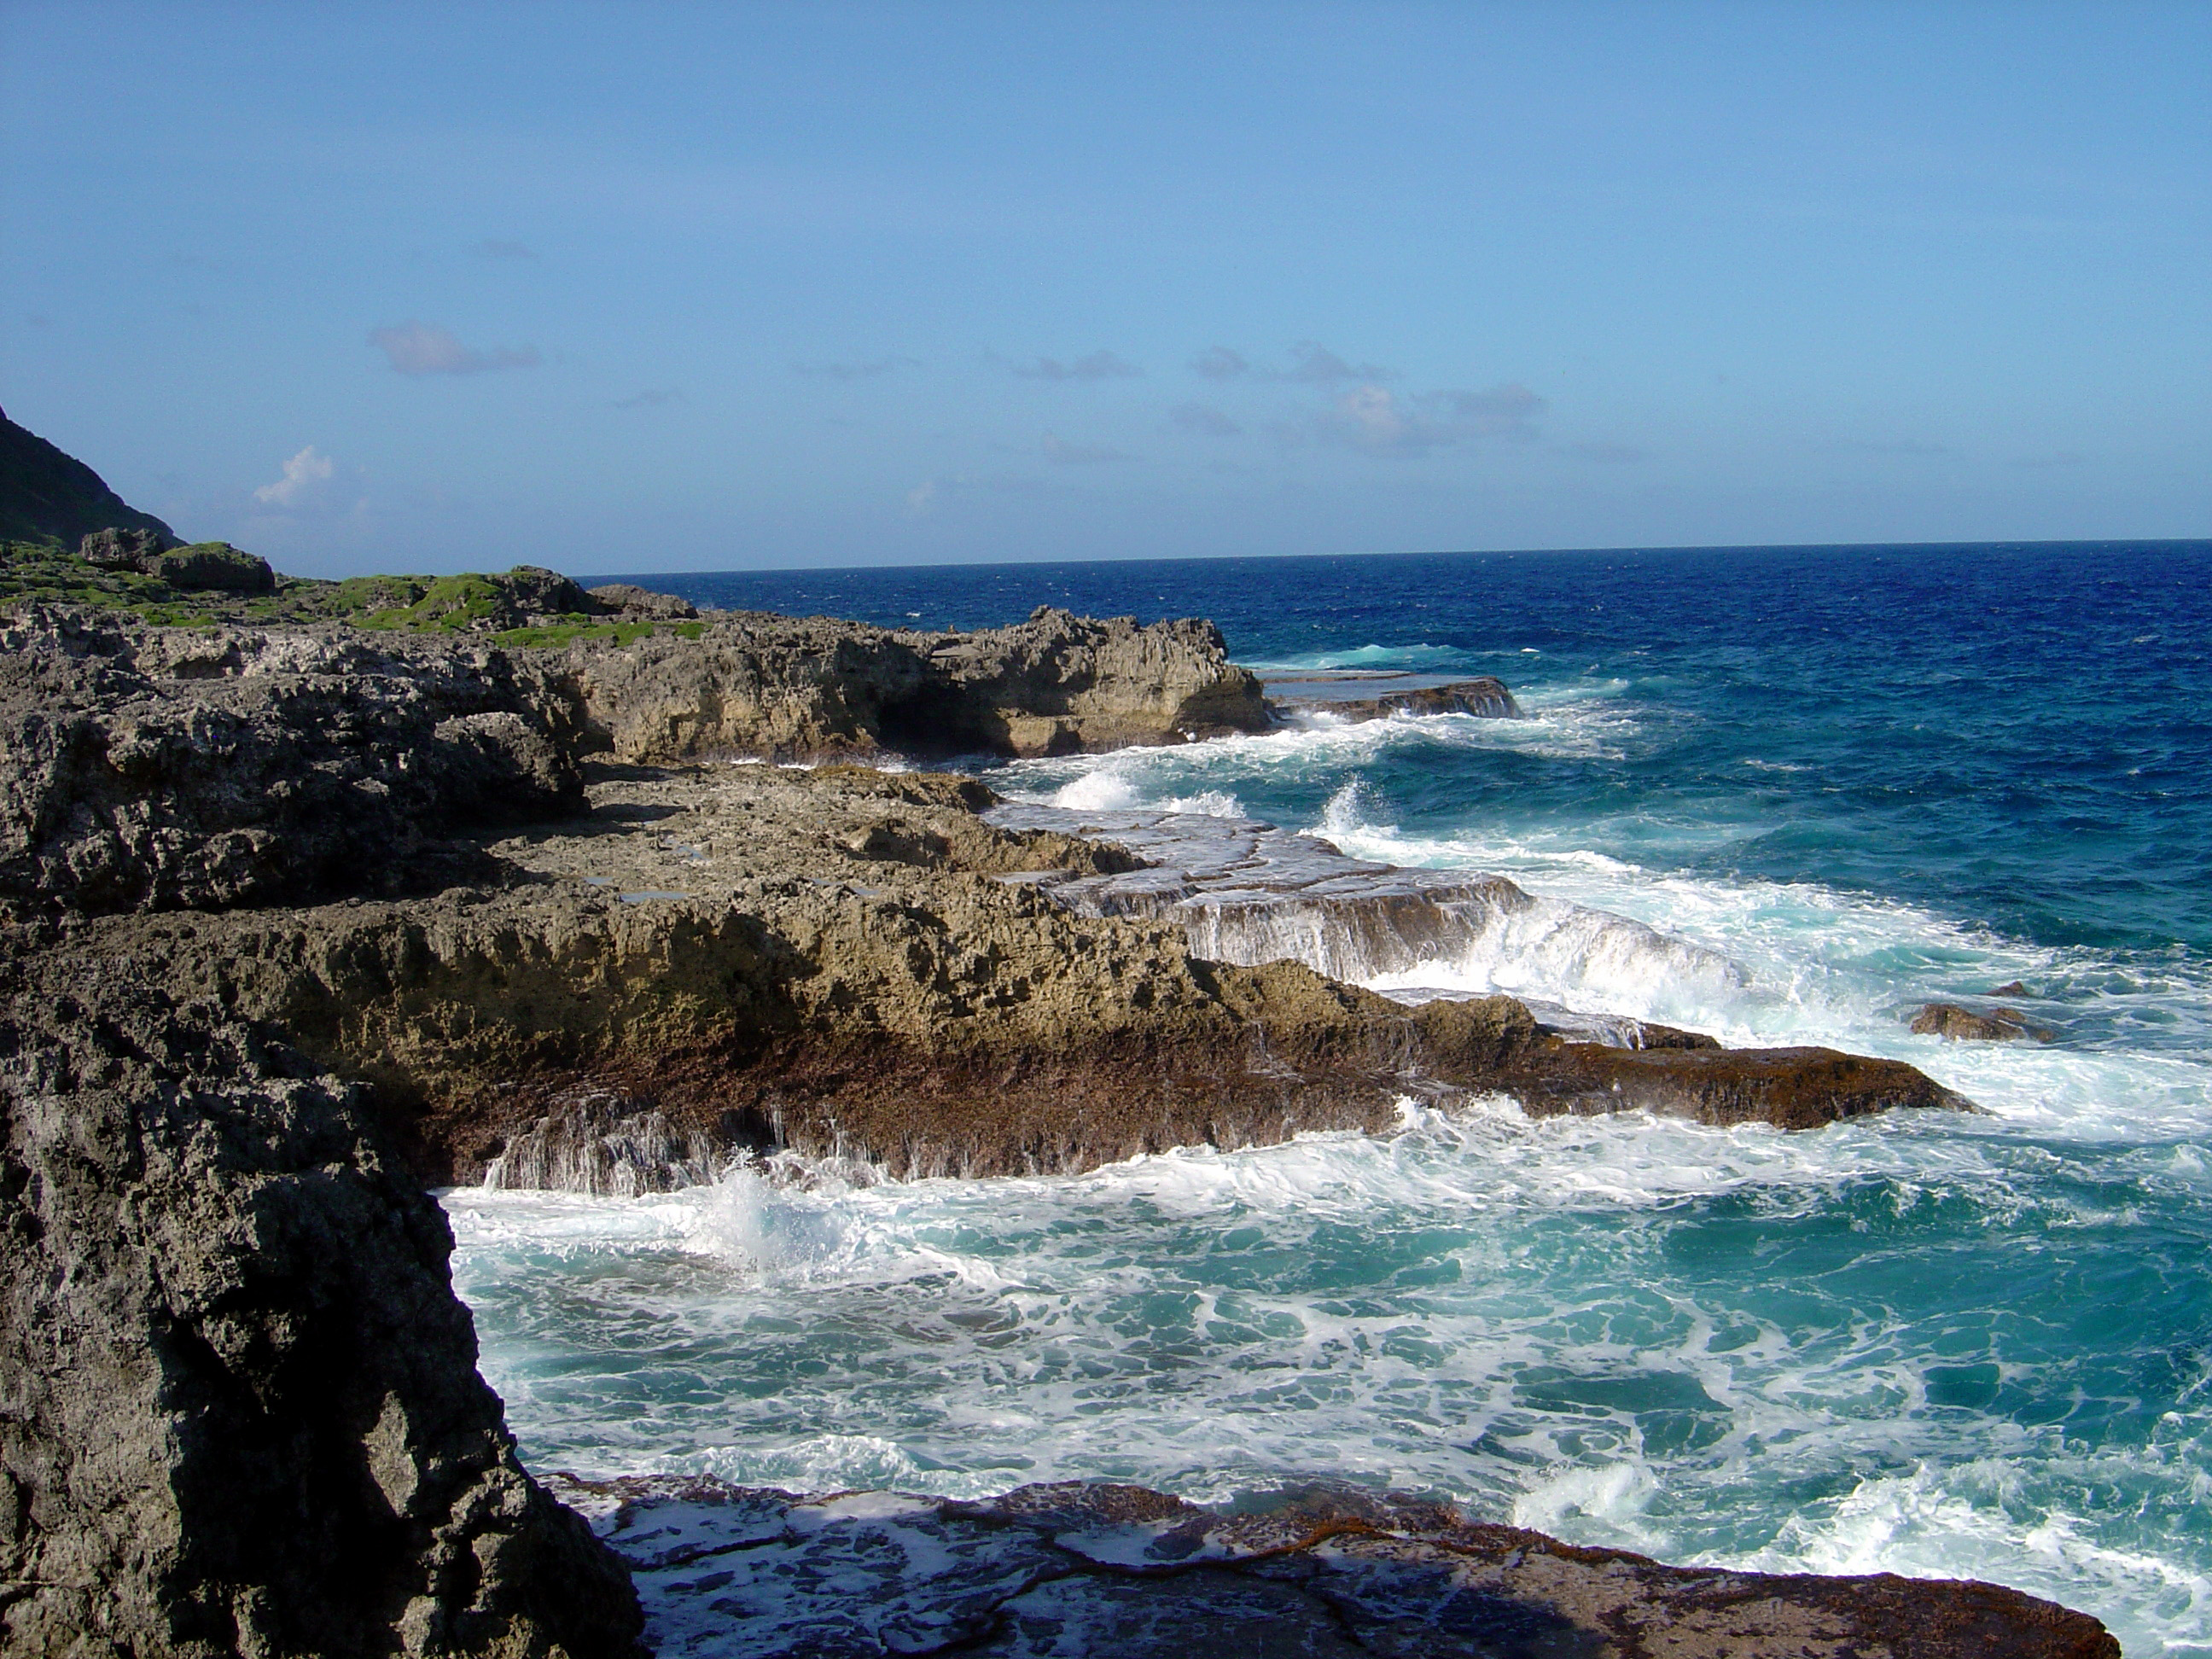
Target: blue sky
[(673, 287)]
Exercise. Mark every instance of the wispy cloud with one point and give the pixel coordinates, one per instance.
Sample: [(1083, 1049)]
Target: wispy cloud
[(1068, 454), (1220, 363), (1204, 417), (420, 347), (2053, 458), (652, 396), (499, 248), (1311, 364), (921, 499), (1098, 366), (1380, 422), (306, 476), (867, 369)]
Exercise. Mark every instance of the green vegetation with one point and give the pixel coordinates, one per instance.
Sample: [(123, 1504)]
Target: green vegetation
[(498, 608)]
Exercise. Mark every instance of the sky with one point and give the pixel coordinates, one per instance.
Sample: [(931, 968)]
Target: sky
[(668, 287)]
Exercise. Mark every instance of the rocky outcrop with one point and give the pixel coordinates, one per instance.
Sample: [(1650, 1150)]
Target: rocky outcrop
[(849, 964), (151, 769), (240, 1412), (787, 688), (1484, 697), (1953, 1024), (215, 566), (1323, 1571), (629, 600)]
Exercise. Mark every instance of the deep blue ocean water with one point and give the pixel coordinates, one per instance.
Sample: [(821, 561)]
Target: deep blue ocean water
[(1868, 777)]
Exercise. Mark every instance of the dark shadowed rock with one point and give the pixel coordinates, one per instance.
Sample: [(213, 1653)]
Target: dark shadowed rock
[(118, 549), (240, 1412), (1953, 1024), (2013, 988), (1486, 696), (1324, 1572), (211, 565)]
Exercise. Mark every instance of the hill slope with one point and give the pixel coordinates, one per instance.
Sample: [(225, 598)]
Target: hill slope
[(46, 496)]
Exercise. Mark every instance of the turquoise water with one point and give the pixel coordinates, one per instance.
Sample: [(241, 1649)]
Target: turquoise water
[(1932, 1345)]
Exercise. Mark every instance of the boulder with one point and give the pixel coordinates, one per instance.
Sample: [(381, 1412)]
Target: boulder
[(211, 565), (1953, 1024), (119, 548), (627, 598)]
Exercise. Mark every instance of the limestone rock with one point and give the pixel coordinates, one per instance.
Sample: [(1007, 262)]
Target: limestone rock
[(241, 1414), (1953, 1024), (152, 769), (628, 599), (118, 548), (809, 689), (215, 565)]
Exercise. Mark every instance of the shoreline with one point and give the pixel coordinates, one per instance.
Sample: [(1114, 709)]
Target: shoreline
[(652, 964)]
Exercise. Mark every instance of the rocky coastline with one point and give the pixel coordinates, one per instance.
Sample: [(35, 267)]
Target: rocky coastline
[(301, 921)]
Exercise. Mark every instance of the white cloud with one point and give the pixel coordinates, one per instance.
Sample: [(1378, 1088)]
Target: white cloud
[(304, 475), (420, 347), (1219, 363), (1098, 366), (1316, 365), (921, 499), (1380, 422)]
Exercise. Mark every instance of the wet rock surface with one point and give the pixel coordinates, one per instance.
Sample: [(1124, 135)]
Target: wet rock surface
[(1486, 698), (1076, 1569), (1953, 1024)]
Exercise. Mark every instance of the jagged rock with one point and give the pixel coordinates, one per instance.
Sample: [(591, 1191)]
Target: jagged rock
[(834, 961), (1955, 1024), (150, 768), (2011, 988), (628, 598), (214, 565), (532, 591), (118, 548), (1486, 696), (240, 1413), (1324, 1572), (810, 688)]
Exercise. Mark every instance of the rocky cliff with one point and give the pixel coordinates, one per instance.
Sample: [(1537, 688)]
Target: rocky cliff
[(240, 1412)]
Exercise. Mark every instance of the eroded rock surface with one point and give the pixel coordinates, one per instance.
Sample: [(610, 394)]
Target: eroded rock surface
[(1096, 1570), (239, 1412), (1486, 696), (851, 964), (161, 769), (789, 688)]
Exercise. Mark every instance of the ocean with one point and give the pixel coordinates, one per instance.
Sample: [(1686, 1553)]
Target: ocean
[(1850, 781)]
